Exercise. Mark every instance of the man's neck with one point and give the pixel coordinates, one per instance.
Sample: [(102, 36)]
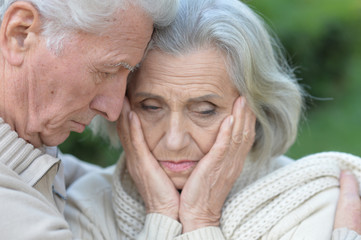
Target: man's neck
[(14, 102), (5, 113)]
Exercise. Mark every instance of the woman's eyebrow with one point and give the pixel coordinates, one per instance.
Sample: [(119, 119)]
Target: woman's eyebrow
[(195, 99), (204, 98), (148, 95)]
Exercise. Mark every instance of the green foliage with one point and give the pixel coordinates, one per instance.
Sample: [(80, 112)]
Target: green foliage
[(320, 38), (90, 148), (323, 41)]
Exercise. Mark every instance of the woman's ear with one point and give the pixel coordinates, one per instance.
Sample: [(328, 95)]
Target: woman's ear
[(20, 29)]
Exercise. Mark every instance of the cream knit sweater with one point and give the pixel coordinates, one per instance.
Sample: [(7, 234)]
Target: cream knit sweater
[(283, 200)]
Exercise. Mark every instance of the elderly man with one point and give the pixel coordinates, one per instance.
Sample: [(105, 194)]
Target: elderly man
[(61, 63)]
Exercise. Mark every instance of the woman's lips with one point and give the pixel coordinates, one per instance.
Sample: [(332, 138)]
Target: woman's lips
[(178, 166)]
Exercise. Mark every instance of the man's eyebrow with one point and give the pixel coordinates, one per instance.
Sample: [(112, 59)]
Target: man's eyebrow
[(124, 65)]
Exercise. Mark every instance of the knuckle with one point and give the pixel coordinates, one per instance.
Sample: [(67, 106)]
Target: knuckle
[(220, 152), (223, 150), (243, 137), (246, 136), (237, 138)]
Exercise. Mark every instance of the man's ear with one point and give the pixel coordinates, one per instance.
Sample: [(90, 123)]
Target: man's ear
[(20, 28)]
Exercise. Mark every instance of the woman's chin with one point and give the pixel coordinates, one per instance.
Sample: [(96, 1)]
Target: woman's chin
[(179, 183)]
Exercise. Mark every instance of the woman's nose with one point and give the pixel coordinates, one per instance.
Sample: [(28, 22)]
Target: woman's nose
[(177, 136)]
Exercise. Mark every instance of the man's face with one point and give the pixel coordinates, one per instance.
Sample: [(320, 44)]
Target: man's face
[(87, 78)]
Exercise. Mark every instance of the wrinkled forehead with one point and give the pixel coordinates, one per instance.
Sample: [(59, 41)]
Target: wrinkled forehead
[(202, 71), (202, 64)]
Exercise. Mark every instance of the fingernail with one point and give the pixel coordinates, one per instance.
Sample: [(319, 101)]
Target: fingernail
[(130, 116), (231, 120)]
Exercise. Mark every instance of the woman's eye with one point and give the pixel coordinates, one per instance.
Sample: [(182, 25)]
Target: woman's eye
[(204, 109), (208, 112), (150, 107)]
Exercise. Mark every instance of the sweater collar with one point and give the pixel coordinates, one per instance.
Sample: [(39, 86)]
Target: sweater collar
[(23, 158)]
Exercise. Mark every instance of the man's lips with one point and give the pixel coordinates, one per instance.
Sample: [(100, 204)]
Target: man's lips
[(79, 127), (178, 166)]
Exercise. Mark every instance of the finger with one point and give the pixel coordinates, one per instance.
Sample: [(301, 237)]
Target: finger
[(137, 136), (348, 213), (123, 124), (221, 145), (349, 185), (244, 128), (249, 130), (123, 115), (239, 120)]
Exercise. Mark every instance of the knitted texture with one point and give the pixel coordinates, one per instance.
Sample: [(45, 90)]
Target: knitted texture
[(14, 151), (251, 211), (344, 233), (127, 203), (282, 191), (30, 163)]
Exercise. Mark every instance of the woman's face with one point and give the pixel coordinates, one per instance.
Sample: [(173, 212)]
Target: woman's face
[(181, 102)]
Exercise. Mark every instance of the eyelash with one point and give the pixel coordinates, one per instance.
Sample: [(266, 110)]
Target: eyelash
[(104, 74), (149, 107), (208, 112)]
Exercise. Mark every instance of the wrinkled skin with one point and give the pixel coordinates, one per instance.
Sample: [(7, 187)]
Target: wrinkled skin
[(170, 116), (185, 109), (44, 95)]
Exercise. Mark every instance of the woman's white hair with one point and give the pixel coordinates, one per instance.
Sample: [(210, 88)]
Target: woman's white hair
[(61, 17), (254, 60)]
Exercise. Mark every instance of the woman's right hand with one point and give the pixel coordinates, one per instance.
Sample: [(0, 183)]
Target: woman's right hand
[(155, 187)]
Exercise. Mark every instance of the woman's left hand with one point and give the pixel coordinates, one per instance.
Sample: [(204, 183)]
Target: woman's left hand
[(205, 191), (348, 213)]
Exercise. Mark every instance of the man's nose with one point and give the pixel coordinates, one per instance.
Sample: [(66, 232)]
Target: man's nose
[(109, 100)]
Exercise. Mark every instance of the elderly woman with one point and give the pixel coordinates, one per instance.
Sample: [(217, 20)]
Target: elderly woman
[(210, 113)]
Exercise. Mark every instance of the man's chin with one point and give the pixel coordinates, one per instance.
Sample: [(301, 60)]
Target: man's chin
[(54, 140)]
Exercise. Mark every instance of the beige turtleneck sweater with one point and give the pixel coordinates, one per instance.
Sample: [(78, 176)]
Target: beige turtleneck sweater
[(31, 196)]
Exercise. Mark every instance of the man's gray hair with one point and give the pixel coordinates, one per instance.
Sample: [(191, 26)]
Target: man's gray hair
[(60, 17)]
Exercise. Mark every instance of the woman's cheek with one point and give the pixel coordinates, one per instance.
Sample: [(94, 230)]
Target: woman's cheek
[(206, 137), (151, 131)]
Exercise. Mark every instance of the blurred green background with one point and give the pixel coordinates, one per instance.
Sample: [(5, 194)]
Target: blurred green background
[(322, 40)]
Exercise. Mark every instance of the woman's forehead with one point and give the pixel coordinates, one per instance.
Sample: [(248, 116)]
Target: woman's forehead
[(201, 69)]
